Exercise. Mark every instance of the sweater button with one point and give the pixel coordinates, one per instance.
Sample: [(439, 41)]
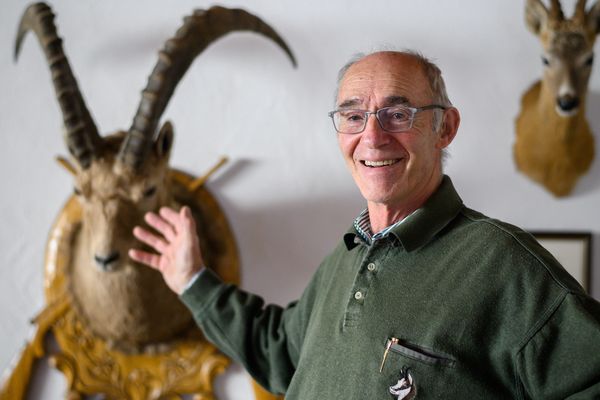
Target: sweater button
[(371, 267), (358, 295)]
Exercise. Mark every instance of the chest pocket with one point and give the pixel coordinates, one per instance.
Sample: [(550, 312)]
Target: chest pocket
[(430, 373), (418, 353)]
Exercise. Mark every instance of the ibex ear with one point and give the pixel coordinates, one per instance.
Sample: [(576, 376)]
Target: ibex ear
[(66, 165), (536, 15), (593, 18), (164, 141)]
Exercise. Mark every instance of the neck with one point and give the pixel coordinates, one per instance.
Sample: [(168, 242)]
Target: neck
[(382, 215)]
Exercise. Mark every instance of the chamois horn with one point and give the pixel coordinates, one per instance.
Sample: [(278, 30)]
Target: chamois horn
[(197, 32), (81, 136), (556, 12), (579, 14)]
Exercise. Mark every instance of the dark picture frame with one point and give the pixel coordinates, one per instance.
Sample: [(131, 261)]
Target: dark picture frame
[(573, 250)]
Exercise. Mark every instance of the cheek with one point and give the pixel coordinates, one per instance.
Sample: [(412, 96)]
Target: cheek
[(146, 205), (422, 149), (583, 80), (89, 210), (347, 146)]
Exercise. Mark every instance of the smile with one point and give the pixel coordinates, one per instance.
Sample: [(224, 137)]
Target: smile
[(382, 163)]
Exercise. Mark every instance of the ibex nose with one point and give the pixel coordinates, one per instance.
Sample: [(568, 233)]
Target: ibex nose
[(568, 103), (104, 262)]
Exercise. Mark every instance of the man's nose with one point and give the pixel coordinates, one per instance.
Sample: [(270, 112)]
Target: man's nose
[(374, 135)]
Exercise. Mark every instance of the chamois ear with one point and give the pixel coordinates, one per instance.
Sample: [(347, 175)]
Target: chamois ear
[(536, 15), (593, 18), (164, 141)]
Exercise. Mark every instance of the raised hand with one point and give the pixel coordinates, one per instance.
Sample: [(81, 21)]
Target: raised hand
[(178, 248)]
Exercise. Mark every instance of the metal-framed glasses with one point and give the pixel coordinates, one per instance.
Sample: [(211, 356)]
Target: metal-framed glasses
[(391, 119)]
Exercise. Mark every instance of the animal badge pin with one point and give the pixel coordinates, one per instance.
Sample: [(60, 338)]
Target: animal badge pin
[(405, 388)]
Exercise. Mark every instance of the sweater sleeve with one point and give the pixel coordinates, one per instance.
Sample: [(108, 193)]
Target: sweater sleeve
[(562, 358), (265, 339)]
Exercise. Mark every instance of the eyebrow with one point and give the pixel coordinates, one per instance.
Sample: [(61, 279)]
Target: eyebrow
[(388, 101), (349, 103), (395, 100)]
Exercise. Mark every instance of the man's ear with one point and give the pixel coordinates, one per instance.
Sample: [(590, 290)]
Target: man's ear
[(164, 141), (449, 128)]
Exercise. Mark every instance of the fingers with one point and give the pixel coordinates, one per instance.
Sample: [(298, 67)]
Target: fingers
[(149, 259), (179, 220), (186, 214), (150, 239), (160, 225), (171, 216)]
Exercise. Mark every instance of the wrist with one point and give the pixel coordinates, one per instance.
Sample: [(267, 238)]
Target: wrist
[(193, 278)]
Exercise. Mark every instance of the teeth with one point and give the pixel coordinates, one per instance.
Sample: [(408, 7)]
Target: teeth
[(380, 163)]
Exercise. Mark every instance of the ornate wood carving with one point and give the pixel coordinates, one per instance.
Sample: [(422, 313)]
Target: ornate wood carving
[(185, 365)]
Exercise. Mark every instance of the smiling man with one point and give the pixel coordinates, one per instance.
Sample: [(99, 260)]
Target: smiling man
[(394, 156), (423, 298)]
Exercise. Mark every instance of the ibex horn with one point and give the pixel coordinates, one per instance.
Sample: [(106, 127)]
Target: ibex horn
[(198, 31), (81, 134), (556, 12)]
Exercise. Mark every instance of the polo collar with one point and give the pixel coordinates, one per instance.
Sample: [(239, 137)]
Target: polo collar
[(423, 224)]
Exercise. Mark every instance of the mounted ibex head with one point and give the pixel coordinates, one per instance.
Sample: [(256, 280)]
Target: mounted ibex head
[(568, 46), (121, 177), (118, 178), (554, 143)]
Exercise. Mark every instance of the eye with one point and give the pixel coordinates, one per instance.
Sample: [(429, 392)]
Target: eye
[(399, 115), (150, 192), (76, 191), (545, 61), (589, 61), (352, 116), (396, 114)]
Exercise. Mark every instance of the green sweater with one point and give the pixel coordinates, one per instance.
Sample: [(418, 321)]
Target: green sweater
[(467, 307)]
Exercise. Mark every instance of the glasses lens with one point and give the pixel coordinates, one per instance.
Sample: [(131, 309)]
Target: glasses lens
[(349, 121), (395, 119)]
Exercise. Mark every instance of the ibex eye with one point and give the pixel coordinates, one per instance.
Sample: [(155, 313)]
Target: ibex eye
[(77, 191), (545, 61), (589, 61), (150, 191)]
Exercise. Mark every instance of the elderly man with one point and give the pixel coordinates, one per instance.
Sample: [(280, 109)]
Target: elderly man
[(423, 296)]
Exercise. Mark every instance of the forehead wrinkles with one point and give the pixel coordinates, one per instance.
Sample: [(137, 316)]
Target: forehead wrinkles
[(365, 84)]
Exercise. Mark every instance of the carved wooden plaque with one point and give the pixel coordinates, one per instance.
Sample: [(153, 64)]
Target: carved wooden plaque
[(185, 365)]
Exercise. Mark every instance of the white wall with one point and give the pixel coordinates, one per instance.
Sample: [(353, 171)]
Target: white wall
[(286, 192)]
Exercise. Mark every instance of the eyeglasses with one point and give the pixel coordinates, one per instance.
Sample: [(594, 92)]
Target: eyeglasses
[(391, 119)]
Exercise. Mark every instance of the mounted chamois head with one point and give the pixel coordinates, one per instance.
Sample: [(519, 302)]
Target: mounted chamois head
[(568, 46), (554, 144), (118, 178)]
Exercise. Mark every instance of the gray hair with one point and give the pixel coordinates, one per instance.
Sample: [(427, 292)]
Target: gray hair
[(432, 73)]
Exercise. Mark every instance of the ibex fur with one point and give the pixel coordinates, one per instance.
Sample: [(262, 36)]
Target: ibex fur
[(118, 178), (554, 145)]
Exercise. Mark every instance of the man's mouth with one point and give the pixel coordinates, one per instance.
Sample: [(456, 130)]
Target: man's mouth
[(378, 164)]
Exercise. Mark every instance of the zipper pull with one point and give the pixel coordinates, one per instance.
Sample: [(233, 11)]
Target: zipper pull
[(390, 342)]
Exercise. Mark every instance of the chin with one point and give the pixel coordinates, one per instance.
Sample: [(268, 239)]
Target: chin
[(378, 196)]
